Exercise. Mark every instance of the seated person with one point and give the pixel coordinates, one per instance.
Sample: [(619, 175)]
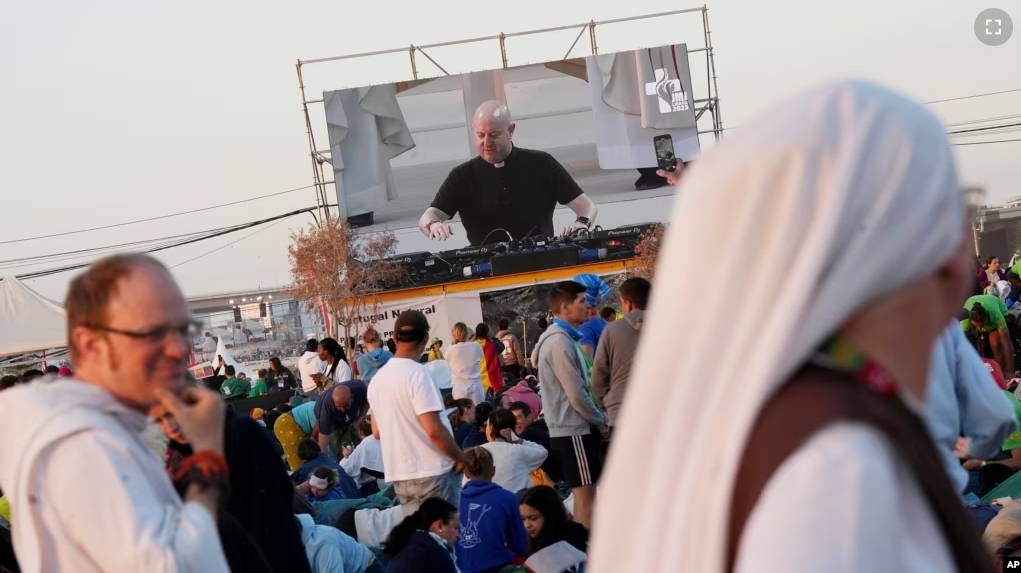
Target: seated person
[(322, 485), (546, 520), (528, 428), (463, 420), (233, 387), (984, 475), (477, 436), (328, 549), (259, 385), (522, 392), (491, 535), (424, 541), (314, 459), (986, 317), (364, 463), (257, 524), (515, 459)]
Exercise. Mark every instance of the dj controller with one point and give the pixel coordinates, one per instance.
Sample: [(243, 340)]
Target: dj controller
[(518, 256)]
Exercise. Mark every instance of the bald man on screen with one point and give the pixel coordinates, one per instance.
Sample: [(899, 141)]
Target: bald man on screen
[(506, 191)]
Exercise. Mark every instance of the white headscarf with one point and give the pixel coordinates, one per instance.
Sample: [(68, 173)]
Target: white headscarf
[(831, 200)]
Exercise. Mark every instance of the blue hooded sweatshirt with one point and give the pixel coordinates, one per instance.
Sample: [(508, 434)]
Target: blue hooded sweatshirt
[(370, 362), (491, 532)]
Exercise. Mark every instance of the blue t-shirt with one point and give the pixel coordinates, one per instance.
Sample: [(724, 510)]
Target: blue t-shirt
[(332, 420), (305, 416), (591, 331)]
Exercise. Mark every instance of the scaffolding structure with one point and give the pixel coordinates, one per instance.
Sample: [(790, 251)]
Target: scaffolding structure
[(710, 103)]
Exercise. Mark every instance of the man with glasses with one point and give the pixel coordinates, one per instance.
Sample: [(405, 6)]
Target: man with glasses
[(88, 495)]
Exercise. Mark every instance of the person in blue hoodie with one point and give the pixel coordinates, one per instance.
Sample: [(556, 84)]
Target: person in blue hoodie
[(492, 534), (374, 357)]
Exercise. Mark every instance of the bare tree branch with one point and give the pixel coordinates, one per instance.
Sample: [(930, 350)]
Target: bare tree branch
[(332, 263)]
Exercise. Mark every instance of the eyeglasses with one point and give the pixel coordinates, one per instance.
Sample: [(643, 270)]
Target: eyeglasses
[(187, 330)]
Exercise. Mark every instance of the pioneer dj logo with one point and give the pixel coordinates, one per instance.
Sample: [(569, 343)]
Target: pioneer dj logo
[(670, 93), (470, 252), (619, 232)]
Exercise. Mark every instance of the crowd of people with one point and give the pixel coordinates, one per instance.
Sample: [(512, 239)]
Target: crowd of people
[(857, 427)]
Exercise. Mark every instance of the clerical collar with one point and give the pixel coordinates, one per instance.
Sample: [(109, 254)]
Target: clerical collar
[(504, 162)]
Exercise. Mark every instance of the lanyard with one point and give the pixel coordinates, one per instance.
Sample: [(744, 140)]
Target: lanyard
[(835, 354)]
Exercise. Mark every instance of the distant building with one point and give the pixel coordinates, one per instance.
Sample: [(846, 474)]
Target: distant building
[(996, 230)]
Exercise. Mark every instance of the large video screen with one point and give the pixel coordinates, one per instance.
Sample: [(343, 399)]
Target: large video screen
[(393, 146)]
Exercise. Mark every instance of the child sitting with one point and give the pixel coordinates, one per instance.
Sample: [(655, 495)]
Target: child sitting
[(491, 534), (322, 485)]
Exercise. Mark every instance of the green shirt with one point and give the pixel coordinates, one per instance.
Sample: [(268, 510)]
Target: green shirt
[(259, 389), (1013, 441), (234, 387), (994, 307)]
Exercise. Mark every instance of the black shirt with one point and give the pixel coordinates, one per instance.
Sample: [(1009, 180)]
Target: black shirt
[(518, 197)]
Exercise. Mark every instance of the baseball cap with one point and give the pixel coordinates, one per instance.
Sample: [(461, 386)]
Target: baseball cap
[(411, 326), (996, 372)]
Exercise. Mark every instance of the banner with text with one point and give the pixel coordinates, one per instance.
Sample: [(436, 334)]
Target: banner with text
[(443, 311)]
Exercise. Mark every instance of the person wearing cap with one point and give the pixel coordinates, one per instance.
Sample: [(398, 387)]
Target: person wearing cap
[(987, 474), (434, 349), (419, 454)]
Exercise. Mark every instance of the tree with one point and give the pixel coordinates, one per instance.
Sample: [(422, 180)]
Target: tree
[(647, 252), (335, 268)]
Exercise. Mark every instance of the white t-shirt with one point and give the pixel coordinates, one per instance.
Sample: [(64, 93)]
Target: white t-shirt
[(464, 359), (310, 364), (342, 373), (401, 391), (515, 463)]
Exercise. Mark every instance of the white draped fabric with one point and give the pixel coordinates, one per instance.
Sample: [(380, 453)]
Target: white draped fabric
[(366, 129), (623, 140), (28, 320), (827, 201)]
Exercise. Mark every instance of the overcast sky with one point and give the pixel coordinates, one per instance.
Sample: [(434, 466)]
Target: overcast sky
[(114, 111)]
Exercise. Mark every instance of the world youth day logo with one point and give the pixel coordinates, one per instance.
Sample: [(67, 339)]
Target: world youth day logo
[(669, 92)]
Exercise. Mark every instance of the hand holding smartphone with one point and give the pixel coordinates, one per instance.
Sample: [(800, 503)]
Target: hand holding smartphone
[(664, 145)]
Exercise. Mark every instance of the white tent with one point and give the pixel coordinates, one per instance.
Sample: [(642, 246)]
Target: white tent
[(29, 321), (228, 359)]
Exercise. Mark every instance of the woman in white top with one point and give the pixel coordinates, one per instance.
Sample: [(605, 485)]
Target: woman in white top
[(464, 357), (844, 205), (514, 459), (367, 455), (331, 352)]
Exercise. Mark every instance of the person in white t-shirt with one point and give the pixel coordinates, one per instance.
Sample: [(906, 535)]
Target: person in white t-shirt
[(311, 369), (464, 357), (420, 457)]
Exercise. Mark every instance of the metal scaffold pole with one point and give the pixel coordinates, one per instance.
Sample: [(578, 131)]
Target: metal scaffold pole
[(321, 200)]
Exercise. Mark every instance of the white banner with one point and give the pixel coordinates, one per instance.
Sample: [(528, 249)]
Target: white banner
[(443, 311)]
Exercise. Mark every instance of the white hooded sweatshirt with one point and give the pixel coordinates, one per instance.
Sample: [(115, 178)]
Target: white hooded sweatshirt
[(87, 494)]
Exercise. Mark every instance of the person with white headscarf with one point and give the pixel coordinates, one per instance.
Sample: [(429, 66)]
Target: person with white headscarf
[(844, 204)]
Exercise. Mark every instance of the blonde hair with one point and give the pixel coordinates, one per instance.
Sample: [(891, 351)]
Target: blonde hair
[(372, 336), (460, 332)]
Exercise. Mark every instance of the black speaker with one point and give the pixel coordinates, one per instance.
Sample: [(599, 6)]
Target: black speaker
[(262, 310), (237, 314)]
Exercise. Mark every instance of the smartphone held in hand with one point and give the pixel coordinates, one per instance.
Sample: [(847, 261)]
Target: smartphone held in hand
[(664, 145)]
